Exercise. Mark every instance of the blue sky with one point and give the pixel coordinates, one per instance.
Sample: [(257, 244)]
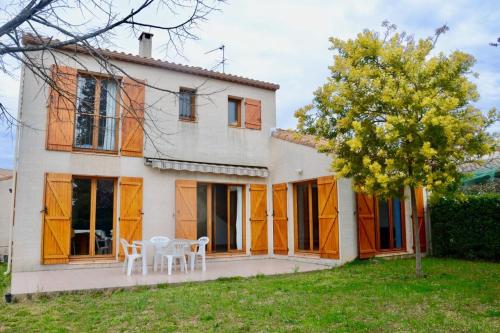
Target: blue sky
[(286, 42)]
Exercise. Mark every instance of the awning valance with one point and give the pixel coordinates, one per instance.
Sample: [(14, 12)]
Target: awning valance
[(224, 169)]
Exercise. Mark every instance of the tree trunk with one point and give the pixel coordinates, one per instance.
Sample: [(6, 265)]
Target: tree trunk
[(416, 233)]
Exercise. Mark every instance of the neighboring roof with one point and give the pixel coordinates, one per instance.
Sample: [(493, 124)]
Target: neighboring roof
[(295, 137), (128, 57), (491, 162), (5, 174)]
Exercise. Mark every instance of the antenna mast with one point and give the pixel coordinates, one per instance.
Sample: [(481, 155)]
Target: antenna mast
[(223, 61)]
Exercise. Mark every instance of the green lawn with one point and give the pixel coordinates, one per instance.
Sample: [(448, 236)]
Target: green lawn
[(456, 296)]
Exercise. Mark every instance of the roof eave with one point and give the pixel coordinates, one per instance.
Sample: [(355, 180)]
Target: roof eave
[(127, 57)]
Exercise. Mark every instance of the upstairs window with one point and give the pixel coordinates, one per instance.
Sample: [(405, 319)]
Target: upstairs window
[(96, 114), (234, 112), (187, 102)]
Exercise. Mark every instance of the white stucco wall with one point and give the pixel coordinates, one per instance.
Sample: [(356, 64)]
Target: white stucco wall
[(5, 214), (291, 163), (209, 139)]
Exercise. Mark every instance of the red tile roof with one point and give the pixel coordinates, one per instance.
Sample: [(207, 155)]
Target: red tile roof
[(29, 39), (5, 174), (295, 137)]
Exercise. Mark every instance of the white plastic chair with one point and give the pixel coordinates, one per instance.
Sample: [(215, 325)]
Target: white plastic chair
[(130, 258), (160, 244), (200, 252), (176, 250)]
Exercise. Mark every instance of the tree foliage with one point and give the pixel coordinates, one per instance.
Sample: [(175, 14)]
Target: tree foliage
[(397, 114)]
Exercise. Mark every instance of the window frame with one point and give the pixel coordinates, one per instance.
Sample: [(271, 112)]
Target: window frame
[(92, 222), (211, 227), (238, 101), (391, 225), (96, 116), (311, 249), (192, 100)]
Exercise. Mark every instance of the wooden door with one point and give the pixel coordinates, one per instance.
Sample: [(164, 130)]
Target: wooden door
[(258, 218), (57, 219), (130, 209), (185, 209), (328, 216), (280, 219), (366, 225), (421, 218)]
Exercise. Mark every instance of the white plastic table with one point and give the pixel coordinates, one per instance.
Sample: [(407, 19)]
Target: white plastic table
[(145, 243)]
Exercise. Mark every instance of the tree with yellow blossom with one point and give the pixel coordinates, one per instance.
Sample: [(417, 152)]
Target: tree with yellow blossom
[(396, 113)]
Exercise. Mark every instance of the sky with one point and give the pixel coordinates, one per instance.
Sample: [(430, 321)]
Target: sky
[(286, 42)]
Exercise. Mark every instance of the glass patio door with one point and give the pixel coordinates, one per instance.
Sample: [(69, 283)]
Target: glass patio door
[(92, 223), (306, 211), (390, 224), (220, 216)]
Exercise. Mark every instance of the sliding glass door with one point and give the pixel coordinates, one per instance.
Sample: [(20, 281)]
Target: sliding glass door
[(306, 213), (93, 216), (220, 216), (390, 224)]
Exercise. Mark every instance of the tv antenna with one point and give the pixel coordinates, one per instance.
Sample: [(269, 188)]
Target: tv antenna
[(223, 61)]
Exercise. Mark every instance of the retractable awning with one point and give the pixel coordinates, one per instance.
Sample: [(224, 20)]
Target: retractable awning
[(222, 169)]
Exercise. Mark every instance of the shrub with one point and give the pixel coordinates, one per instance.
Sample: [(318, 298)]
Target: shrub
[(468, 228)]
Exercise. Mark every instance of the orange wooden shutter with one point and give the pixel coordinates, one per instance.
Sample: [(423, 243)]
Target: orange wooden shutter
[(130, 209), (328, 216), (57, 218), (421, 218), (133, 118), (280, 219), (366, 225), (186, 209), (61, 108), (252, 113), (258, 218)]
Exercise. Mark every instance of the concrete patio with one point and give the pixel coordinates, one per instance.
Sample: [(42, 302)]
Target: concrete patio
[(26, 283)]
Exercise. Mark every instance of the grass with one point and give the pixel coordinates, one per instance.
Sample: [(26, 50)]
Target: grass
[(380, 296)]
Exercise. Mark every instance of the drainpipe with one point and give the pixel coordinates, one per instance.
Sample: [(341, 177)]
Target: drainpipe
[(14, 187)]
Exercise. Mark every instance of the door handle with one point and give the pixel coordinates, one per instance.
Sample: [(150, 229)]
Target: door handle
[(44, 210)]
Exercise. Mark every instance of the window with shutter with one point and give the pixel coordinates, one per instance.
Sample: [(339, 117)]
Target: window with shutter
[(234, 111), (61, 108), (133, 118), (96, 113), (253, 114), (187, 104)]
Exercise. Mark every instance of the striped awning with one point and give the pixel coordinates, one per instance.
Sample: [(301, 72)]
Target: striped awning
[(222, 169)]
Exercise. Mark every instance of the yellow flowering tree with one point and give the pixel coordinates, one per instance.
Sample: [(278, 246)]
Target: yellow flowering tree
[(396, 114)]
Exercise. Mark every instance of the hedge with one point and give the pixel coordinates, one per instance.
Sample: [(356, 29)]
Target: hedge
[(468, 229)]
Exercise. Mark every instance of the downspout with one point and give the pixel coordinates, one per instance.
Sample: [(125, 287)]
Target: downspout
[(16, 162)]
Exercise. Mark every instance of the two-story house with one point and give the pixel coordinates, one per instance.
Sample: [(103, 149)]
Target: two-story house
[(166, 149)]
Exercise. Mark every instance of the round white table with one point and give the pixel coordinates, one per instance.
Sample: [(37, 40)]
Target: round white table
[(145, 243)]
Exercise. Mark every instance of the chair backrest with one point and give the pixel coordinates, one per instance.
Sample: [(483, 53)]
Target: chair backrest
[(100, 233), (126, 245), (202, 244), (177, 248)]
